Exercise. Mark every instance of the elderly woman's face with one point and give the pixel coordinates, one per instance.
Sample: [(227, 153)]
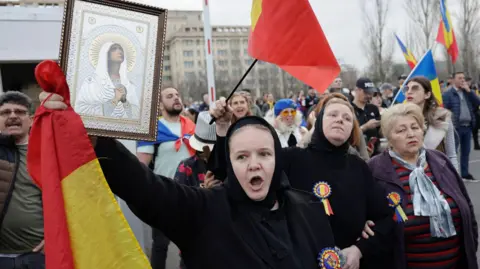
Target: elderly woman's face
[(337, 123), (239, 106), (415, 93), (406, 136), (253, 160)]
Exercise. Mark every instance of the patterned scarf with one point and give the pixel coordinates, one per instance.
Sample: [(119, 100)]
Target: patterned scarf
[(427, 199)]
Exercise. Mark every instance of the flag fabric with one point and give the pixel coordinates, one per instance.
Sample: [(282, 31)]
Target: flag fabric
[(446, 35), (288, 34), (83, 224), (411, 61), (165, 135), (426, 68)]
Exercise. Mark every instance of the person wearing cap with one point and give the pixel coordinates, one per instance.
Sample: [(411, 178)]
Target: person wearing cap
[(287, 122), (367, 114), (386, 89), (191, 171)]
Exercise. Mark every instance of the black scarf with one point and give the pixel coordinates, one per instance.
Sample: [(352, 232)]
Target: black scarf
[(234, 189), (254, 219), (321, 145)]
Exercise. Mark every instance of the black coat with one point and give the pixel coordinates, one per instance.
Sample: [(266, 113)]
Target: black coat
[(204, 223)]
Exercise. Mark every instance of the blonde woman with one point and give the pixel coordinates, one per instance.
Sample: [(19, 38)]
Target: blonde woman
[(240, 106), (436, 221), (440, 134)]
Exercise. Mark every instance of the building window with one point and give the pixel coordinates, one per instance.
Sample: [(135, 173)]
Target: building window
[(188, 64), (166, 58), (245, 42), (199, 63), (189, 75), (222, 73), (236, 52), (167, 78), (198, 42), (199, 53), (188, 53), (187, 42), (236, 63), (166, 68), (222, 52), (248, 61), (222, 63), (221, 42), (235, 42), (245, 51), (237, 72)]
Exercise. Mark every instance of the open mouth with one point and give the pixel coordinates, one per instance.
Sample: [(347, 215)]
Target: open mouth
[(256, 183), (13, 124), (409, 98)]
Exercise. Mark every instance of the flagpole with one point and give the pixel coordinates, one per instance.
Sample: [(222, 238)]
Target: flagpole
[(238, 85)]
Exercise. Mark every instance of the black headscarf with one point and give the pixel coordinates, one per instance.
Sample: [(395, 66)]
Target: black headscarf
[(320, 143), (234, 189)]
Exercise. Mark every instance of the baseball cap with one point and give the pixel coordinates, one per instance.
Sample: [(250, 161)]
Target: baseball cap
[(367, 85)]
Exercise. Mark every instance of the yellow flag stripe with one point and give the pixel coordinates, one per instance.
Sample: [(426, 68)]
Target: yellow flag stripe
[(256, 12), (99, 234)]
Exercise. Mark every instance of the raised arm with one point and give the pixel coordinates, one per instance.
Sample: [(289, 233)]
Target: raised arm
[(156, 200)]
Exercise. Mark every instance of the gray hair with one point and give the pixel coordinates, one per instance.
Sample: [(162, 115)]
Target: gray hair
[(386, 86), (18, 98)]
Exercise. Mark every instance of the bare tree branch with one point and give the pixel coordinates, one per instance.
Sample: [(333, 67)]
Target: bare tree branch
[(424, 16), (378, 43), (469, 31)]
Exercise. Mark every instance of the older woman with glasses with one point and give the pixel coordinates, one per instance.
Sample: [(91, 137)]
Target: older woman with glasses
[(436, 222)]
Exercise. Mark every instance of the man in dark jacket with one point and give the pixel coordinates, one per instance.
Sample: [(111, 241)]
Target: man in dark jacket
[(21, 211), (460, 100)]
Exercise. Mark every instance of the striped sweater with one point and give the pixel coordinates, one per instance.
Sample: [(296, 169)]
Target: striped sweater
[(421, 249)]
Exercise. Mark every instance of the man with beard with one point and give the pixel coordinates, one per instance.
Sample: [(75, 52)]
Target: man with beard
[(165, 154), (287, 122), (21, 208)]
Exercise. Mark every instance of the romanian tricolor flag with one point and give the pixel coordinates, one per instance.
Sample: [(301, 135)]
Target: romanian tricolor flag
[(287, 33), (84, 226), (425, 68), (445, 35), (407, 54)]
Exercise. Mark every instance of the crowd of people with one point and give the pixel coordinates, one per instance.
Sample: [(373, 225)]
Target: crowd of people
[(346, 179)]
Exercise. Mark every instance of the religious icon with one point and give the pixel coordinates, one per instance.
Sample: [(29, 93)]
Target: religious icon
[(111, 54)]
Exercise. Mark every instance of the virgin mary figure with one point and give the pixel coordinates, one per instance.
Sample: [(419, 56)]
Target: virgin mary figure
[(109, 92)]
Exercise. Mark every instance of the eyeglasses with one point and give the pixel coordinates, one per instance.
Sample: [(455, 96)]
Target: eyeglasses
[(288, 112), (19, 112)]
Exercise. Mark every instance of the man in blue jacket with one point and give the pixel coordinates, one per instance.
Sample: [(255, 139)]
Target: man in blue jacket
[(460, 100)]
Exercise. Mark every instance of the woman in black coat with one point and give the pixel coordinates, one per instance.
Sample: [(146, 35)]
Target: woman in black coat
[(254, 221), (343, 183)]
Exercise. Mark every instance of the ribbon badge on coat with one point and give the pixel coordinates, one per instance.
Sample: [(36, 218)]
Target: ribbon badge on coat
[(329, 258), (395, 201), (322, 190)]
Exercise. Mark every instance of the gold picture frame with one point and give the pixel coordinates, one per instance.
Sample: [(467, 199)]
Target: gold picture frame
[(112, 55)]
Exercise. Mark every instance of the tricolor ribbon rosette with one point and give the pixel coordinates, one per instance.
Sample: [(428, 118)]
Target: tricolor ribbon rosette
[(395, 201), (322, 190)]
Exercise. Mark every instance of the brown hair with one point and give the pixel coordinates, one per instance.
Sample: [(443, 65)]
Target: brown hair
[(338, 98), (249, 113), (431, 104)]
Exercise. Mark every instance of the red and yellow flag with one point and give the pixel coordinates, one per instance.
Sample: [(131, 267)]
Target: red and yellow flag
[(287, 33), (445, 35), (411, 61), (84, 226)]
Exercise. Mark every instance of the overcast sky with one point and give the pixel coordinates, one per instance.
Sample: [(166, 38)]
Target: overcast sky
[(341, 21)]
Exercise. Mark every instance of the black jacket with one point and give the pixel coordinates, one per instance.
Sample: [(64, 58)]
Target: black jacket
[(203, 223), (9, 159)]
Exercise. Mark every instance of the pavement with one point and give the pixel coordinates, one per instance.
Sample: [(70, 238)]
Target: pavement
[(473, 190)]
